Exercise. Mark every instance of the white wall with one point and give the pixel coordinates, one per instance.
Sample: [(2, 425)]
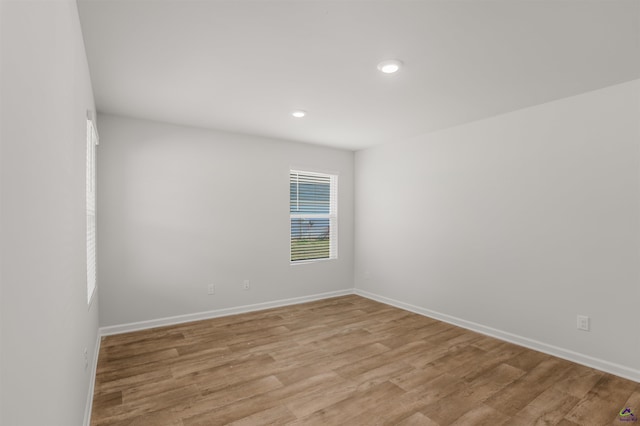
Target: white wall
[(45, 323), (518, 222), (181, 208), (1, 224)]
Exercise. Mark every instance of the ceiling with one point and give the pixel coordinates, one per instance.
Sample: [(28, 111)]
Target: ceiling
[(243, 66)]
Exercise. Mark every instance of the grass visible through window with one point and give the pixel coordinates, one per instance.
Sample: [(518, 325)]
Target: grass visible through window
[(302, 249)]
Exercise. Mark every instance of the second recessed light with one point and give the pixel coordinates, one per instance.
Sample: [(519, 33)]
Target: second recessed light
[(299, 113), (390, 66)]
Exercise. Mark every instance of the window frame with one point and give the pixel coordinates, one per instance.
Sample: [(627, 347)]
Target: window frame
[(331, 216)]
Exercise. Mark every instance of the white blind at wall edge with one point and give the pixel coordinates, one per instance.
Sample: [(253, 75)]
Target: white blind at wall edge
[(92, 140)]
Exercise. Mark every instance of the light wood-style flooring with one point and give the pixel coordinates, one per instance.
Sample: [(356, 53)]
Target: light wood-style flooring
[(343, 361)]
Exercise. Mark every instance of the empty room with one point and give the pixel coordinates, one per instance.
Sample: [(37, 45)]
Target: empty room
[(315, 212)]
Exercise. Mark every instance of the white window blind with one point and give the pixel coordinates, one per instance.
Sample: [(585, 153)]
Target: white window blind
[(313, 211), (92, 141)]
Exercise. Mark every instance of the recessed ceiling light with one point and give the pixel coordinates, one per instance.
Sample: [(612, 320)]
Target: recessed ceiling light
[(299, 113), (390, 66)]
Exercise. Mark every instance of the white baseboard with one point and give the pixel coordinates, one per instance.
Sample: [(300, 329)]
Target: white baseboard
[(179, 319), (92, 382), (599, 364)]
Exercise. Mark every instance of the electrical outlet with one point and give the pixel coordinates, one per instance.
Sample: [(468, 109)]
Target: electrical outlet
[(211, 289), (85, 354), (583, 323), (245, 285)]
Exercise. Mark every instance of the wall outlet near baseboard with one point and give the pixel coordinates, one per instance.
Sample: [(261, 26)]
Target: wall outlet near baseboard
[(246, 285), (583, 323), (211, 289)]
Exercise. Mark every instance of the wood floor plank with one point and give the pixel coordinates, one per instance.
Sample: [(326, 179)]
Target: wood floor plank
[(104, 385), (145, 407), (524, 390), (108, 399), (439, 388), (393, 355), (394, 410), (528, 360), (353, 408), (455, 405), (277, 415), (549, 408), (292, 396), (416, 377), (579, 381), (345, 360), (311, 402), (162, 417), (633, 401), (417, 419), (117, 365), (490, 359), (483, 415), (599, 406)]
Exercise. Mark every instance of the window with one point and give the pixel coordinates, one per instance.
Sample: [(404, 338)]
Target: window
[(92, 141), (313, 211)]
